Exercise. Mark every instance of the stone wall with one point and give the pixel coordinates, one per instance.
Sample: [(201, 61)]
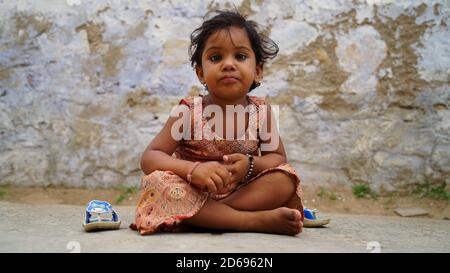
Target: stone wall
[(363, 87)]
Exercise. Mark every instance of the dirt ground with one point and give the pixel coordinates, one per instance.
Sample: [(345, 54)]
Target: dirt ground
[(336, 200)]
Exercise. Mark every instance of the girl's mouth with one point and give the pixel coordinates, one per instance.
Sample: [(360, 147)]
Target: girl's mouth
[(228, 79)]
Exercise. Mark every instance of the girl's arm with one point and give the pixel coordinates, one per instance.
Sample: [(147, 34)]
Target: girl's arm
[(158, 154), (269, 160), (276, 154), (208, 176), (272, 157)]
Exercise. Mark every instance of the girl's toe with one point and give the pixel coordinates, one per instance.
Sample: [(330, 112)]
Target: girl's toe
[(297, 215)]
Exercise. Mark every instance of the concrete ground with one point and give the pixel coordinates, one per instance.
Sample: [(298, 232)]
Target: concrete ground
[(57, 228)]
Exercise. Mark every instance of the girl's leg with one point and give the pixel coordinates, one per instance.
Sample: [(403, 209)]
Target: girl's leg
[(267, 192), (217, 215)]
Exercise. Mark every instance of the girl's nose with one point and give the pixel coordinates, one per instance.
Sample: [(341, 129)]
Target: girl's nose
[(229, 64)]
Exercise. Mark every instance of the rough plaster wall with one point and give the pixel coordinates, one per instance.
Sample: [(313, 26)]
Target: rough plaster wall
[(363, 87)]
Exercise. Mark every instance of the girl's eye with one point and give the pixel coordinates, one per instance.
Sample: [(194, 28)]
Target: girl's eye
[(241, 57), (215, 58)]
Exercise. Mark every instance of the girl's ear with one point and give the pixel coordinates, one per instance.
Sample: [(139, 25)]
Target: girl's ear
[(199, 72), (259, 73)]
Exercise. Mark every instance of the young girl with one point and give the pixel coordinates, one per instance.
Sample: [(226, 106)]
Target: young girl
[(215, 182)]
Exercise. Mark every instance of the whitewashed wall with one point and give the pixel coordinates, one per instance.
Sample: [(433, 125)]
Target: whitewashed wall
[(363, 87)]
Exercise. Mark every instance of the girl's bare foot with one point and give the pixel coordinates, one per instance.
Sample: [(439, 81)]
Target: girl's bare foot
[(281, 221)]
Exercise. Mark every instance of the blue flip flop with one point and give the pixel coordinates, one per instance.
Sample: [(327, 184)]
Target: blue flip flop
[(311, 219), (100, 215)]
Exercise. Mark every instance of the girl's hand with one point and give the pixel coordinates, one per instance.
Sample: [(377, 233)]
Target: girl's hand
[(211, 176), (238, 165)]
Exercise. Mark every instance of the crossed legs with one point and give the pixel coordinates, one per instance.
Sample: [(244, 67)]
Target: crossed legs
[(255, 207)]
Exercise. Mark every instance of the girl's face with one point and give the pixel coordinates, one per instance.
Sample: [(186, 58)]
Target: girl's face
[(229, 64)]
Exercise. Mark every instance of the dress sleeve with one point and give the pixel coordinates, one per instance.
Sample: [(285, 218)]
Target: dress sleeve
[(258, 100), (189, 101)]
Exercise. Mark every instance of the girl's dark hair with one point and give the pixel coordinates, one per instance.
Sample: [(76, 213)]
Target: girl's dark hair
[(263, 46)]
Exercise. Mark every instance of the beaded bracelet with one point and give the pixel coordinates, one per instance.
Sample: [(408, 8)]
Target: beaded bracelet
[(191, 170), (251, 165)]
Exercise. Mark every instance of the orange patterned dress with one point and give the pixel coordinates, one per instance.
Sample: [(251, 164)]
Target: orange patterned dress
[(166, 198)]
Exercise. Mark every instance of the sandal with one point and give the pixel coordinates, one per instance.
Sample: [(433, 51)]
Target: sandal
[(311, 220), (100, 215)]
